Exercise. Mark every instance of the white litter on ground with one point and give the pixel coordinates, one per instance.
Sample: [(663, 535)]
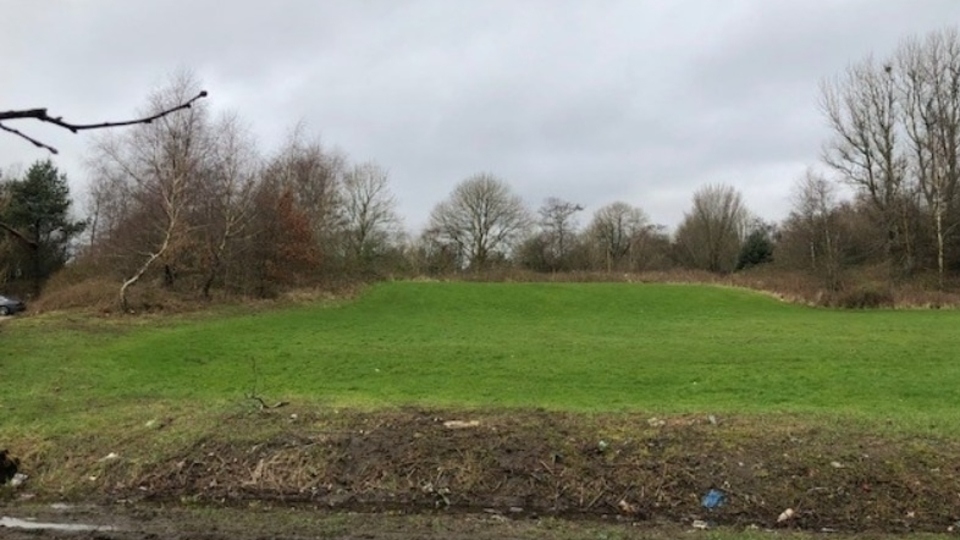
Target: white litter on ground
[(14, 523)]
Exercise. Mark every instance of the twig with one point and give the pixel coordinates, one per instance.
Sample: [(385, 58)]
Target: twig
[(41, 115), (256, 382), (596, 499), (30, 139), (253, 390), (663, 480)]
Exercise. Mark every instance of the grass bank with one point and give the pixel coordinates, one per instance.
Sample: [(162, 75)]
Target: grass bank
[(575, 347)]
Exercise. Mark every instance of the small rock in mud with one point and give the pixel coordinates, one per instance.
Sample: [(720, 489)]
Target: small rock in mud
[(786, 515), (626, 507)]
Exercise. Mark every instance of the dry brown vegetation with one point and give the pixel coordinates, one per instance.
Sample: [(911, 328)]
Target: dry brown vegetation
[(864, 288), (74, 289)]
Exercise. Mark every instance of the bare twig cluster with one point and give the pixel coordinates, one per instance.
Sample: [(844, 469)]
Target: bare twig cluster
[(41, 115)]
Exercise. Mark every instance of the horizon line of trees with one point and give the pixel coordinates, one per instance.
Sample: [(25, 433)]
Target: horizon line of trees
[(192, 204)]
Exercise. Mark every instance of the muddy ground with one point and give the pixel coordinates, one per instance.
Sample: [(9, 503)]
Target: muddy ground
[(414, 473), (262, 523)]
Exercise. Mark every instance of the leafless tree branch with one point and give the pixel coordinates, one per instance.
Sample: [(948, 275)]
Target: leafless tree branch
[(41, 115), (18, 235), (29, 139)]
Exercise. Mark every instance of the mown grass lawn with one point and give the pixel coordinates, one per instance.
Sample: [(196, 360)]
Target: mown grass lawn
[(582, 347)]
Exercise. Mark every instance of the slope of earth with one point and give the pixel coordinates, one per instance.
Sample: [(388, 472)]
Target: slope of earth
[(526, 464), (584, 347)]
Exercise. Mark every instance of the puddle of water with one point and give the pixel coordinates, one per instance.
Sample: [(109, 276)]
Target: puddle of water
[(14, 523)]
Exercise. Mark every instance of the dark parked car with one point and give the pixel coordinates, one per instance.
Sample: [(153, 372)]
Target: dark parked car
[(9, 306)]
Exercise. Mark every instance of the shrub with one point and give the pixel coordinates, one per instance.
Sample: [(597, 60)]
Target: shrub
[(864, 297), (96, 293)]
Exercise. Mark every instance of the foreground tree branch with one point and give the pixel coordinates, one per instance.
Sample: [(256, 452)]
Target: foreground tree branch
[(41, 115), (29, 139), (18, 235)]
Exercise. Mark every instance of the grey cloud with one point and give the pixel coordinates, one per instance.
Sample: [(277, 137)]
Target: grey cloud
[(592, 101)]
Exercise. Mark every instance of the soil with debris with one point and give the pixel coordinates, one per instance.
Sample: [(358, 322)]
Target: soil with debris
[(260, 523), (517, 468)]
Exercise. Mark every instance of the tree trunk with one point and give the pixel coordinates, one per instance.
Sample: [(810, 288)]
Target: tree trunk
[(939, 219), (211, 277), (169, 276), (215, 264), (124, 304), (37, 270)]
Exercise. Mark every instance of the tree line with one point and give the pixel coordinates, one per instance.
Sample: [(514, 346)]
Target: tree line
[(191, 203)]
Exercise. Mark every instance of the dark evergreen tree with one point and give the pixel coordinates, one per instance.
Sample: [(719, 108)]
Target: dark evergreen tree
[(757, 249), (38, 208)]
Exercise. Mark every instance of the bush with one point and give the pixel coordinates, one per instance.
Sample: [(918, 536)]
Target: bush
[(864, 297), (94, 293)]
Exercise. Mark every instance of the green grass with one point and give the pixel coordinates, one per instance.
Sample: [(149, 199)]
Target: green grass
[(582, 347)]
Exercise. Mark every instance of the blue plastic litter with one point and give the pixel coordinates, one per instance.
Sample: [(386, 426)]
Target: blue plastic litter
[(713, 499)]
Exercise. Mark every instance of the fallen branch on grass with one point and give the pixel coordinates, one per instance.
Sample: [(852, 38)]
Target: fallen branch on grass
[(263, 404), (255, 395)]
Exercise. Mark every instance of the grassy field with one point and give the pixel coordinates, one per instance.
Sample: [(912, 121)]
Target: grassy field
[(581, 347)]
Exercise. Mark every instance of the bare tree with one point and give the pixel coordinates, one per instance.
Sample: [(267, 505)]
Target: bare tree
[(431, 254), (283, 249), (108, 198), (616, 229), (711, 234), (6, 243), (157, 165), (929, 76), (813, 222), (226, 194), (369, 209), (41, 115), (314, 176), (481, 218), (558, 229), (861, 108)]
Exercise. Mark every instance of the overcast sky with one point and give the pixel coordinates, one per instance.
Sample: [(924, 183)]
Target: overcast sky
[(589, 100)]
